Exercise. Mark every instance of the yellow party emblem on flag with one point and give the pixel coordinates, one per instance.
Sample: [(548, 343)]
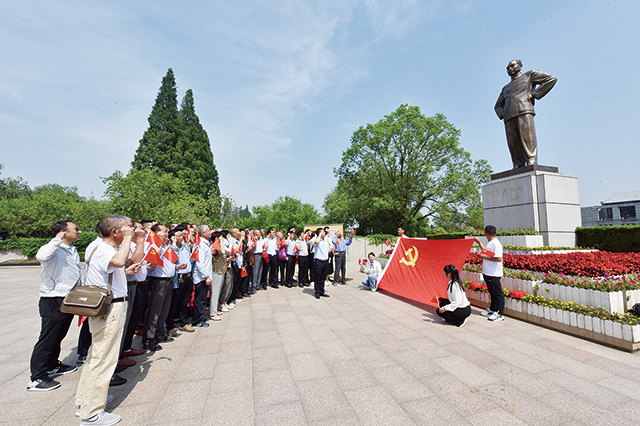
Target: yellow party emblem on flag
[(412, 255)]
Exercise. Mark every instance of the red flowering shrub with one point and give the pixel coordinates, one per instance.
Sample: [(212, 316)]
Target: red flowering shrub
[(517, 294), (591, 264)]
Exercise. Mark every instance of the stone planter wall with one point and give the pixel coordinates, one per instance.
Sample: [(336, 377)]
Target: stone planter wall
[(615, 334), (612, 301), (15, 254)]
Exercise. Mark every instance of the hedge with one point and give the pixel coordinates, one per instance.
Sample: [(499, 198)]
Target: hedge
[(30, 246), (619, 239)]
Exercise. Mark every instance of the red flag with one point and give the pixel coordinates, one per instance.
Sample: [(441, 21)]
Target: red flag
[(244, 273), (216, 244), (233, 251), (154, 239), (81, 319), (359, 261), (196, 239), (264, 246), (194, 255), (154, 257), (170, 255), (415, 269), (388, 242), (487, 253), (338, 241)]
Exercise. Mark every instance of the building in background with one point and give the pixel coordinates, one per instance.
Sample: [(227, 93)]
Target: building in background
[(619, 209)]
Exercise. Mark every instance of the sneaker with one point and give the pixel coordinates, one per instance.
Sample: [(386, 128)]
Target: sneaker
[(216, 318), (202, 324), (110, 398), (224, 309), (374, 289), (188, 328), (231, 306), (117, 380), (496, 317), (487, 313), (464, 322), (81, 359), (62, 369), (102, 419), (42, 385)]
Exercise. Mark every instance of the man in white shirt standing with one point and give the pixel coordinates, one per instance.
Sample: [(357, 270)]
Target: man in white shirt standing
[(109, 259), (492, 271), (60, 272), (202, 277), (321, 262)]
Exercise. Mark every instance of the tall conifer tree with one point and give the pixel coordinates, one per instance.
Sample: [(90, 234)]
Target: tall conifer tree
[(197, 168), (158, 145), (176, 142)]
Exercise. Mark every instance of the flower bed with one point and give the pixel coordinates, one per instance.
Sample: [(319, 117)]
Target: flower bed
[(590, 264), (593, 323)]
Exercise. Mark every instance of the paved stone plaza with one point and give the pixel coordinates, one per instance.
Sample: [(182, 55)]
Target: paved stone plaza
[(357, 358)]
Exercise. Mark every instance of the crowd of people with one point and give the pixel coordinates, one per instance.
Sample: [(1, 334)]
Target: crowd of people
[(164, 280)]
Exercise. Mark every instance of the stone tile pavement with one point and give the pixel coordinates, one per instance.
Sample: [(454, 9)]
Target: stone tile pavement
[(357, 358)]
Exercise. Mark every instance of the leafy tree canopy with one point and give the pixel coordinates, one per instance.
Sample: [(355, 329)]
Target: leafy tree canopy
[(407, 169), (282, 214), (153, 194)]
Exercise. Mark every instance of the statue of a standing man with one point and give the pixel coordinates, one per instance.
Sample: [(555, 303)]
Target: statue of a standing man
[(515, 107)]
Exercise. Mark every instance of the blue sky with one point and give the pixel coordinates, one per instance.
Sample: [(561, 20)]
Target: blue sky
[(281, 86)]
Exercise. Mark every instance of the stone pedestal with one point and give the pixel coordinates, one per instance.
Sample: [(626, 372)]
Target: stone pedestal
[(534, 197)]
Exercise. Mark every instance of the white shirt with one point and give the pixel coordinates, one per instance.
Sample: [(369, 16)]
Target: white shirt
[(166, 271), (60, 268), (259, 245), (374, 268), (98, 271), (457, 297), (489, 267), (322, 249), (303, 250), (272, 245), (203, 269)]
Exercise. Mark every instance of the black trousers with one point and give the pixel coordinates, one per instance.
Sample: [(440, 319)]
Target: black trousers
[(244, 281), (200, 301), (312, 269), (54, 327), (84, 339), (291, 267), (186, 290), (455, 317), (136, 314), (322, 269), (237, 280), (495, 290), (265, 271), (303, 270), (341, 267), (142, 296), (159, 304), (273, 270)]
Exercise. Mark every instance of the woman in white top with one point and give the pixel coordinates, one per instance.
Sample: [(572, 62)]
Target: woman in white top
[(456, 309)]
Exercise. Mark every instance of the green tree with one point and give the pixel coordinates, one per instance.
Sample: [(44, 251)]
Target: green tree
[(194, 159), (282, 214), (13, 188), (153, 194), (158, 146), (406, 169)]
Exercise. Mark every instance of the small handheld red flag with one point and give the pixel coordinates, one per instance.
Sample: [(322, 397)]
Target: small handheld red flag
[(233, 251), (216, 244), (154, 239), (487, 253), (388, 242), (196, 239), (194, 255), (170, 255), (243, 273), (359, 261), (154, 257), (81, 319)]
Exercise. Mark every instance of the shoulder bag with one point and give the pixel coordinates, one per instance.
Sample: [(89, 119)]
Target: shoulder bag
[(91, 301)]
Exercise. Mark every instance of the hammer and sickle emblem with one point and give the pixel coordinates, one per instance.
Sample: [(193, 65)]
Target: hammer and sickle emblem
[(412, 258)]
